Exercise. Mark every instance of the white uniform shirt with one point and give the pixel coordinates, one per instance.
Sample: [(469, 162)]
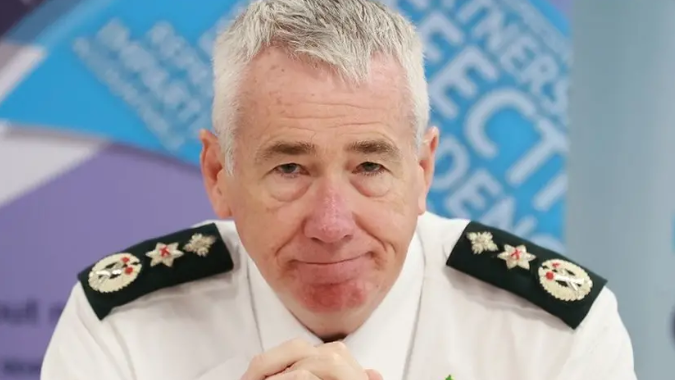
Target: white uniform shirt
[(456, 325)]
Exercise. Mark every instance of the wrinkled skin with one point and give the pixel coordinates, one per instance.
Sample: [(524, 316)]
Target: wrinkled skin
[(327, 185)]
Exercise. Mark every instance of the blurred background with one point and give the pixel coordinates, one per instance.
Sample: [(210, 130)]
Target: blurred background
[(556, 121)]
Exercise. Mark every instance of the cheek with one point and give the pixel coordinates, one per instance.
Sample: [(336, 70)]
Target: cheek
[(256, 215), (263, 251), (390, 219)]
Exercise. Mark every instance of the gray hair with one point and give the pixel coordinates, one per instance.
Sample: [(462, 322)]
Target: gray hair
[(344, 34)]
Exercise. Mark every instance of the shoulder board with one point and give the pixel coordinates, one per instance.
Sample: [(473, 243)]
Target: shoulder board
[(154, 264), (549, 280)]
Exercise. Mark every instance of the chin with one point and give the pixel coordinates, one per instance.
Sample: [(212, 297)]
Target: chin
[(337, 298)]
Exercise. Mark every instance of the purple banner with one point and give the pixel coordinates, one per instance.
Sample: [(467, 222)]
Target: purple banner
[(53, 231)]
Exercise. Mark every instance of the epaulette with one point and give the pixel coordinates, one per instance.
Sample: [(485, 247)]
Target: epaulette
[(545, 278), (155, 264)]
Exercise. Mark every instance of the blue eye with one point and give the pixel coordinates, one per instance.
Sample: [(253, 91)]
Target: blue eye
[(371, 168)]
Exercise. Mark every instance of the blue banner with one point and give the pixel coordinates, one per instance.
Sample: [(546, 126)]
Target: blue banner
[(497, 76), (131, 72), (138, 73)]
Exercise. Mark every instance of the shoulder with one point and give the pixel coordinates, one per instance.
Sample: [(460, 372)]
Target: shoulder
[(513, 266), (185, 257)]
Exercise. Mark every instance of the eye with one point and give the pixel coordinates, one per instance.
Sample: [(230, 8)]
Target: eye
[(370, 168), (288, 169)]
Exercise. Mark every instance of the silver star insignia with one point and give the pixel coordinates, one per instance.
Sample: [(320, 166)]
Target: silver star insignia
[(516, 257), (164, 254)]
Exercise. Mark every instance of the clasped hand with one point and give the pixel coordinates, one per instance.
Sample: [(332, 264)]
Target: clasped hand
[(299, 360)]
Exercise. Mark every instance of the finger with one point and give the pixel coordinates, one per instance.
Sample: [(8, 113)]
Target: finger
[(295, 375), (329, 367), (373, 375), (340, 349), (278, 359)]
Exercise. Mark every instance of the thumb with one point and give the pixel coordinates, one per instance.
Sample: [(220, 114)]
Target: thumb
[(373, 375)]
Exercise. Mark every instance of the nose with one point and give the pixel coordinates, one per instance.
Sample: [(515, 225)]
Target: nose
[(330, 220)]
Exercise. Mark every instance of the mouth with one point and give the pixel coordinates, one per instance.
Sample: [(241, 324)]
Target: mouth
[(331, 262), (333, 272)]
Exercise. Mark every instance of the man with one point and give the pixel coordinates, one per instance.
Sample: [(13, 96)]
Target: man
[(330, 267)]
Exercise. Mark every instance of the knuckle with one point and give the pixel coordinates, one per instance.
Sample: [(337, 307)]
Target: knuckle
[(302, 374), (258, 361), (338, 346), (334, 358), (298, 344)]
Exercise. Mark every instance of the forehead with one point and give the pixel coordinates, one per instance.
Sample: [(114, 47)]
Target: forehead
[(278, 91)]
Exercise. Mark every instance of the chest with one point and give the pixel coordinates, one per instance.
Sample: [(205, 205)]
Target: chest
[(189, 342), (472, 346), (477, 341)]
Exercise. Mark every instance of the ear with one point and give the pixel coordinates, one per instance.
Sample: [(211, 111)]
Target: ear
[(212, 164), (427, 162)]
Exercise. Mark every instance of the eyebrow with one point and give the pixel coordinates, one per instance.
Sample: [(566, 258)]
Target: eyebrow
[(282, 148), (365, 147), (376, 147)]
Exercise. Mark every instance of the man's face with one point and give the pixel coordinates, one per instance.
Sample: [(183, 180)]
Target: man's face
[(327, 185)]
